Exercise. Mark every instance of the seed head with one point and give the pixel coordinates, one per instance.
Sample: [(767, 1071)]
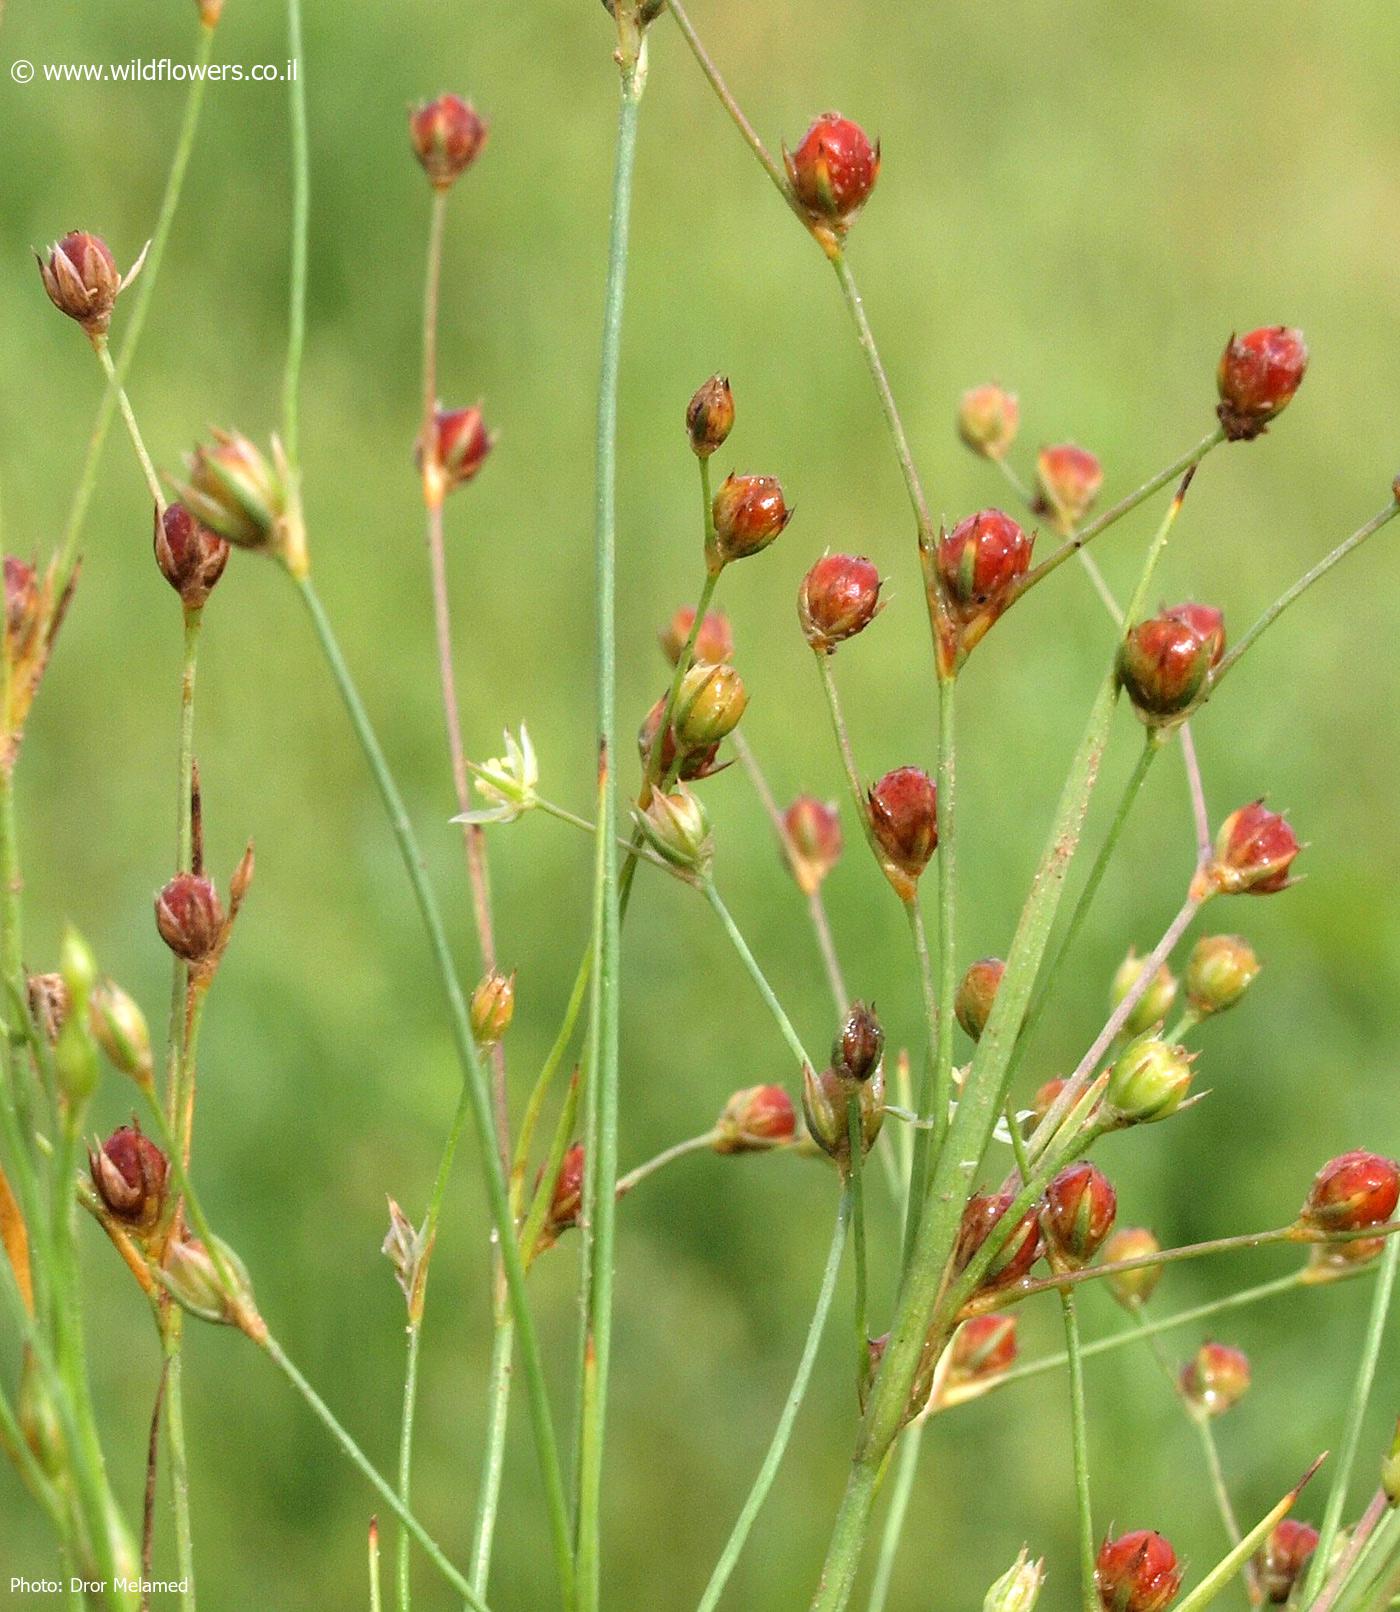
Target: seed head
[(981, 560), (1046, 1096), (1220, 970), (859, 1045), (697, 763), (460, 443), (1067, 481), (1163, 664), (709, 416), (1016, 1256), (1216, 1378), (1018, 1588), (235, 491), (987, 420), (1257, 377), (839, 597), (1149, 1081), (129, 1172), (677, 827), (1354, 1190), (1080, 1206), (191, 557), (755, 1120), (1254, 850), (824, 1099), (1208, 622), (82, 280), (1155, 1002), (190, 916), (982, 1347), (567, 1198), (813, 830), (119, 1027), (1137, 1573), (833, 171), (1132, 1288), (493, 1007), (711, 701), (1281, 1559), (447, 137), (714, 643), (904, 817), (748, 512), (976, 993)]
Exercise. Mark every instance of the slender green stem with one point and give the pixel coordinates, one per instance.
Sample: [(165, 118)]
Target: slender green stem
[(474, 1075), (381, 1485), (601, 1154), (403, 1572), (499, 1377), (545, 1080), (179, 1464), (1355, 1419), (1079, 1429), (1300, 587), (678, 1150), (148, 470), (848, 760), (932, 1100), (765, 990), (376, 1600), (1226, 1568), (855, 1139), (137, 301), (900, 1496), (772, 1460), (301, 209)]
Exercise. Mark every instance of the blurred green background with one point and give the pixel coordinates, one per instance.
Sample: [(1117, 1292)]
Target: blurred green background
[(1081, 200)]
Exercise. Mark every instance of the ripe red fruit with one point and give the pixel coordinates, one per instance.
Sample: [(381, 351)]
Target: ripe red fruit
[(1016, 1256), (129, 1172), (976, 993), (189, 916), (982, 1347), (714, 643), (1282, 1558), (839, 597), (833, 170), (1136, 1573), (1253, 852), (191, 557), (566, 1200), (1216, 1378), (1208, 622), (1067, 482), (748, 513), (1080, 1208), (813, 829), (460, 444), (1354, 1190), (1163, 664), (1257, 377), (754, 1120), (904, 818), (82, 280), (860, 1042), (981, 559), (447, 137), (709, 416)]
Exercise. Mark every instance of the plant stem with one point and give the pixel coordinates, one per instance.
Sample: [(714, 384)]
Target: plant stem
[(768, 1471), (1356, 1416), (499, 1377), (855, 1139), (947, 917), (381, 1485), (900, 1497), (376, 1601), (139, 297), (403, 1574), (1225, 1569), (301, 206), (148, 470), (474, 1076), (1300, 587), (1079, 1426), (601, 1146), (765, 990), (677, 1150), (932, 1102)]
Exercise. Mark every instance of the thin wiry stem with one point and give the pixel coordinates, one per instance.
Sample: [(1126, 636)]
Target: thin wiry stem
[(668, 1155), (300, 221), (1079, 1431), (148, 470), (855, 1139), (900, 1497), (760, 979)]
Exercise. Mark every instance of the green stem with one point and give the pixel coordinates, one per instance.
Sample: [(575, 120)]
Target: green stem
[(768, 1471), (855, 1139), (932, 1101), (765, 990), (1225, 1569), (403, 1573), (900, 1497), (139, 298), (301, 206), (677, 1150), (1079, 1426), (601, 1145), (474, 1075), (493, 1458), (381, 1485), (179, 1463), (148, 470), (376, 1600), (1356, 1416)]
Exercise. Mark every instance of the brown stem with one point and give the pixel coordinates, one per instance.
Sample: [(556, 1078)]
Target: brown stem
[(148, 1510)]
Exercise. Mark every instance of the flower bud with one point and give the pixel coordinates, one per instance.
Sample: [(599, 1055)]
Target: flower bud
[(1216, 1378), (196, 1278), (1163, 664), (1080, 1206), (677, 827), (1067, 481), (567, 1198), (709, 416), (1208, 622), (120, 1029), (976, 994), (904, 818), (1155, 1002), (1136, 1573), (190, 916), (129, 1172), (982, 1347), (709, 705), (460, 443), (1015, 1257), (860, 1043), (191, 557), (1280, 1561), (1353, 1190), (82, 280), (1257, 377), (447, 137), (714, 643), (833, 170), (1149, 1081), (754, 1120), (839, 597), (493, 1007), (981, 560), (232, 489), (1018, 1588), (748, 513), (1220, 970), (1253, 852), (987, 420), (1132, 1288), (824, 1099), (813, 830), (78, 968)]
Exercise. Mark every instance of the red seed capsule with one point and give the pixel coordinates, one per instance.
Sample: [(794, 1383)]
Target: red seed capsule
[(129, 1172), (981, 560), (839, 597), (714, 643), (1208, 622), (813, 829), (748, 513), (567, 1198), (460, 445), (191, 557), (447, 137), (709, 416), (1282, 1558), (1016, 1256), (1254, 850), (1216, 1378), (1080, 1206), (82, 280), (1067, 481), (982, 1347), (1136, 1572), (833, 170), (1163, 664), (904, 817), (189, 916), (1257, 377), (860, 1042), (976, 994), (1354, 1190), (987, 420), (754, 1120)]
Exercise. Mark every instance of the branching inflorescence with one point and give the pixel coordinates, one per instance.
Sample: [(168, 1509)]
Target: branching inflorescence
[(977, 1232)]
